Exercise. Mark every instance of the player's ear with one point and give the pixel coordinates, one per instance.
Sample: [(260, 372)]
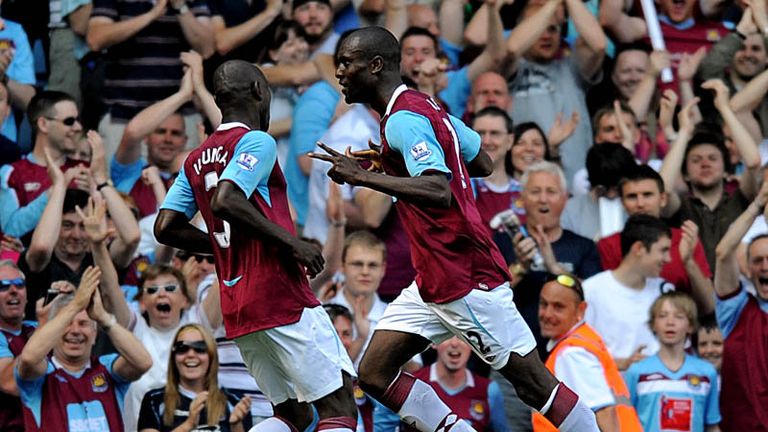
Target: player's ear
[(376, 65), (256, 91)]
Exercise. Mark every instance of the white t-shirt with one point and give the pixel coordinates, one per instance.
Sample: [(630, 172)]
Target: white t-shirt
[(580, 370), (619, 314), (377, 311), (158, 344)]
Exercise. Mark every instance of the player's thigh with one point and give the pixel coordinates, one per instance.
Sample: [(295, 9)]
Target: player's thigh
[(311, 355), (264, 365), (490, 323)]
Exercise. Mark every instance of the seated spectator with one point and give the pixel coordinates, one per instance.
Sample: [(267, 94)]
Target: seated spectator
[(673, 390), (165, 305), (161, 127), (619, 299), (642, 192), (599, 213), (72, 390), (558, 250), (54, 118), (477, 399), (578, 357), (17, 64), (708, 343), (546, 85), (743, 320), (702, 159), (14, 334), (144, 53), (191, 397)]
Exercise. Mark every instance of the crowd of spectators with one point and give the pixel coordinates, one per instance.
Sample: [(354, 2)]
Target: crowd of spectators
[(630, 208)]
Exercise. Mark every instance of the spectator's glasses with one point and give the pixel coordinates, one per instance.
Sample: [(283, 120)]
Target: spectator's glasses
[(5, 284), (199, 258), (66, 121), (568, 281), (152, 290), (183, 347)]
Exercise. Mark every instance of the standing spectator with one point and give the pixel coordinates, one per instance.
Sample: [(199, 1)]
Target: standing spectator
[(619, 299), (477, 400), (68, 24), (703, 160), (708, 342), (642, 192), (145, 39), (673, 390), (488, 89), (578, 357), (560, 250), (191, 397), (14, 334), (161, 127), (72, 390), (17, 65), (544, 84), (55, 120), (743, 320)]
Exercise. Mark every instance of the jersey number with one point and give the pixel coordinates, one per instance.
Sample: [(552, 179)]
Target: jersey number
[(222, 237)]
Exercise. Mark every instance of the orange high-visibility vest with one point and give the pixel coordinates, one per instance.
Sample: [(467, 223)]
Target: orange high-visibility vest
[(585, 337)]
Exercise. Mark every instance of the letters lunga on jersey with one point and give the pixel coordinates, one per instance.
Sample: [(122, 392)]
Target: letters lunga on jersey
[(211, 155)]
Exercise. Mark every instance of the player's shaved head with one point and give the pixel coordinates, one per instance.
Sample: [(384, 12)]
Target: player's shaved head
[(369, 42), (236, 81)]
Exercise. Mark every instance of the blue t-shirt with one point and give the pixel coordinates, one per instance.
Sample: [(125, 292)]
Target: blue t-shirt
[(686, 399), (311, 118), (456, 94), (249, 168), (411, 134), (21, 69), (5, 348)]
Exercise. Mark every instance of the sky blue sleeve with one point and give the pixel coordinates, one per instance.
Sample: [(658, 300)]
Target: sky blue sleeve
[(5, 350), (468, 139), (452, 51), (180, 197), (384, 419), (125, 176), (412, 135), (713, 400), (499, 421), (14, 220), (252, 164), (31, 391), (630, 377), (457, 92), (22, 67), (728, 310)]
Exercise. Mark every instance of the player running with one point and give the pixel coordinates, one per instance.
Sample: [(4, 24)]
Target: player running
[(462, 283), (285, 336)]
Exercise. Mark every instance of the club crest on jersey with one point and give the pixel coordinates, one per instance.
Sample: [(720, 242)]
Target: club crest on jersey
[(247, 161), (694, 381), (477, 410), (99, 383), (420, 151)]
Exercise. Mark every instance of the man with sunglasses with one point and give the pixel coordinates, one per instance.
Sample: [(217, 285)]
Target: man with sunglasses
[(578, 357), (14, 334), (54, 118)]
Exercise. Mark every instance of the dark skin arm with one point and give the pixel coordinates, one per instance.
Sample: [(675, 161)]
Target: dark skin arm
[(230, 203), (481, 165), (430, 189), (172, 228)]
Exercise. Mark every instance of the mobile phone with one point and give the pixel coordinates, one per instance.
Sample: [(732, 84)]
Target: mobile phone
[(50, 295)]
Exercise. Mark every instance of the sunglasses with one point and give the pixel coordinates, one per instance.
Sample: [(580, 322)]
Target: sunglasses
[(199, 258), (66, 121), (183, 347), (152, 290), (568, 281), (5, 284)]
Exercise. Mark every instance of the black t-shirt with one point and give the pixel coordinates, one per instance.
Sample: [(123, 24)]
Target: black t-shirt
[(153, 407), (39, 282)]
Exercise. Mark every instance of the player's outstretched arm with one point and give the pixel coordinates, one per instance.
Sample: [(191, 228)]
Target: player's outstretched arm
[(172, 228), (230, 203), (429, 189)]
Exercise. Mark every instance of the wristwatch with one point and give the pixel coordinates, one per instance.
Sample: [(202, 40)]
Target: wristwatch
[(101, 186), (182, 9)]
